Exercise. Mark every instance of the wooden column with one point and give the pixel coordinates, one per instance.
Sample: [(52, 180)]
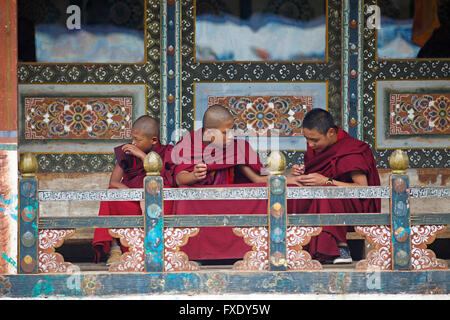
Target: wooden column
[(154, 214), (28, 215), (400, 213), (277, 212)]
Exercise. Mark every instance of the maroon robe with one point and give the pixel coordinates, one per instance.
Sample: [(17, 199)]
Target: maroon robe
[(347, 154), (216, 242), (191, 150), (133, 177)]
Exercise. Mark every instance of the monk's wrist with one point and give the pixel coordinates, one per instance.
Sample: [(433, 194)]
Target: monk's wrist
[(329, 181)]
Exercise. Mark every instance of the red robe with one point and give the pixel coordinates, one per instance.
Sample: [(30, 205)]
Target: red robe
[(216, 242), (191, 150), (347, 154), (133, 177)]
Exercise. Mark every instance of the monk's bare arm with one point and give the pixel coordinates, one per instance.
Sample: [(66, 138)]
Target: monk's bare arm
[(191, 177), (116, 178), (252, 175), (359, 180), (185, 178), (316, 179), (133, 150), (256, 178)]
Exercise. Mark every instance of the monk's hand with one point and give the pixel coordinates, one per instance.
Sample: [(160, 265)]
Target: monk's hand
[(200, 171), (298, 170), (293, 180), (313, 179), (133, 150)]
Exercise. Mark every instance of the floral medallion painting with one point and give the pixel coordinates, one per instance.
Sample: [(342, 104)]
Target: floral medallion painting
[(78, 118), (265, 113), (419, 113)]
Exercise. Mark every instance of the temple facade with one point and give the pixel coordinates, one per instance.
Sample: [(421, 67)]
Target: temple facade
[(74, 75)]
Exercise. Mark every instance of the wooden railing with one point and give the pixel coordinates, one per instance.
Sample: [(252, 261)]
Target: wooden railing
[(399, 225)]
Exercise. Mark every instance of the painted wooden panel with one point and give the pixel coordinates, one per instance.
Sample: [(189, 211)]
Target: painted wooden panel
[(412, 113), (265, 113), (78, 118)]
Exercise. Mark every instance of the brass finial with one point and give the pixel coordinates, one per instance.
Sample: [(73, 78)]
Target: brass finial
[(153, 164), (28, 165), (399, 162), (276, 162)]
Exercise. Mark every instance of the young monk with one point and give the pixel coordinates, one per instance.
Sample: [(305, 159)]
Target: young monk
[(333, 158), (211, 155), (129, 172)]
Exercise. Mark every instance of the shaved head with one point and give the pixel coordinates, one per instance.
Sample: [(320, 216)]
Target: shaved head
[(215, 116), (318, 119), (147, 126)]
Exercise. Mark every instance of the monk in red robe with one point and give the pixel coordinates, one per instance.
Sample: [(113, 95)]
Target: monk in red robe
[(333, 158), (129, 172), (211, 156)]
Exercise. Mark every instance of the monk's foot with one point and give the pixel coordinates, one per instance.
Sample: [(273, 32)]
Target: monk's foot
[(114, 256), (344, 256)]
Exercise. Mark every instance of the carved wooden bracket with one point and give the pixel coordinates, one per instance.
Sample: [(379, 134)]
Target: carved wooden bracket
[(174, 259), (422, 258), (133, 259), (257, 259), (381, 257), (49, 260), (299, 259)]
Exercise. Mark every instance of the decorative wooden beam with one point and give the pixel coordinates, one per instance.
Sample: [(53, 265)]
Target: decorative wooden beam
[(225, 282), (153, 214), (249, 193), (400, 214), (28, 215), (91, 222), (276, 212), (256, 220)]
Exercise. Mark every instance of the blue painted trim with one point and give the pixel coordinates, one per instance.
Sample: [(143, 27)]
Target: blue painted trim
[(8, 147), (225, 282), (8, 134), (400, 223), (277, 223), (154, 224), (353, 66), (28, 217)]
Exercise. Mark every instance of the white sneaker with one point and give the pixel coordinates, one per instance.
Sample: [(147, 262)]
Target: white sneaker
[(344, 256)]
